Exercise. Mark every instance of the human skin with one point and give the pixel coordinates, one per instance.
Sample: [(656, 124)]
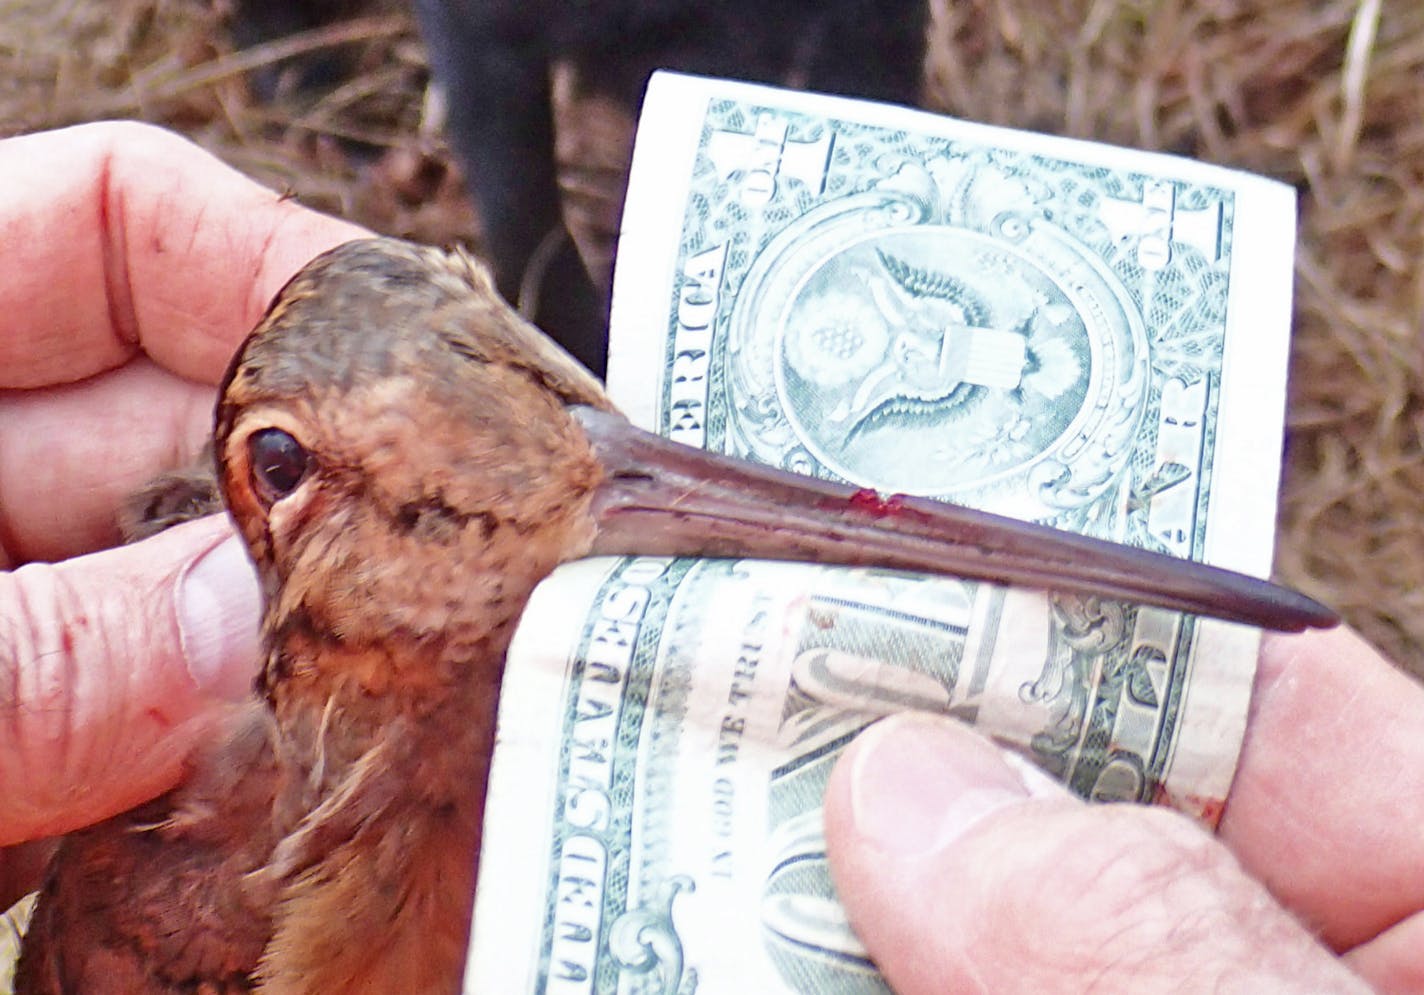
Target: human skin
[(136, 263), (965, 870)]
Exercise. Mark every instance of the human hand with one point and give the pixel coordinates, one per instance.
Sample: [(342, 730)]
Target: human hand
[(964, 872), (135, 264)]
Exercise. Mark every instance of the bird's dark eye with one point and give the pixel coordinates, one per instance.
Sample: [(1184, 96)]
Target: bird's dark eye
[(278, 462)]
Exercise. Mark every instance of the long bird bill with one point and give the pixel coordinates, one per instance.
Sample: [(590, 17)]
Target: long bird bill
[(665, 499)]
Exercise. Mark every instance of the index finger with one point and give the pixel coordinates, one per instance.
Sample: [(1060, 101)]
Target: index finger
[(122, 237), (1329, 794)]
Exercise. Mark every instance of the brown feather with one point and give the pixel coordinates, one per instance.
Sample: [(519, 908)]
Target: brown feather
[(327, 841)]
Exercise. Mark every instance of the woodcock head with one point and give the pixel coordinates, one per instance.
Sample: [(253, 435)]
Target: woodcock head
[(407, 458), (397, 449)]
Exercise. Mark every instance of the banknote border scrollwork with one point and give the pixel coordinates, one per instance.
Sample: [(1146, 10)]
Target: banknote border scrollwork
[(615, 839)]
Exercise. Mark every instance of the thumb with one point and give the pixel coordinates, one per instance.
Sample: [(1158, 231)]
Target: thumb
[(108, 663), (964, 869)]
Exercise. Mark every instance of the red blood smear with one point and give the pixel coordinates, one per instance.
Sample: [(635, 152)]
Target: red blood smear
[(869, 500), (159, 717), (1208, 810)]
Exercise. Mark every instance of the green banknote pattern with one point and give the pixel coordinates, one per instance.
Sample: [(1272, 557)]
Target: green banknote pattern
[(831, 649), (921, 315)]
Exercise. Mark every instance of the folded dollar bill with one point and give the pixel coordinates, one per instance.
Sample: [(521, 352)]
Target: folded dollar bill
[(1090, 337)]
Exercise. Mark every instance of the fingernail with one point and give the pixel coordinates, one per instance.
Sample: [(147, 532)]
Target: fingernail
[(218, 609), (919, 782)]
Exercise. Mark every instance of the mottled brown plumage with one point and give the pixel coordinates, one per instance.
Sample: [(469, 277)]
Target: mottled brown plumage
[(406, 459), (327, 841)]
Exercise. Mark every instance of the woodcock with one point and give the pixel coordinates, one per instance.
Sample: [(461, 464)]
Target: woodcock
[(406, 459)]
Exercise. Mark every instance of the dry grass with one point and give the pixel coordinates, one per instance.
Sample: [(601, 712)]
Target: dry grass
[(362, 146), (1325, 94)]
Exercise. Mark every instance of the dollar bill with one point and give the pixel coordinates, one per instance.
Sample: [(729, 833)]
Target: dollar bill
[(1085, 336), (1052, 329)]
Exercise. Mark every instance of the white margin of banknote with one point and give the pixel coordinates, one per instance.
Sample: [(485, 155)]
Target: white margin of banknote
[(504, 950), (1240, 530), (646, 262)]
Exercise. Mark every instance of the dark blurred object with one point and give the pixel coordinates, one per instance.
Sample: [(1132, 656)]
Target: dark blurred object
[(258, 22), (542, 103), (543, 99)]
